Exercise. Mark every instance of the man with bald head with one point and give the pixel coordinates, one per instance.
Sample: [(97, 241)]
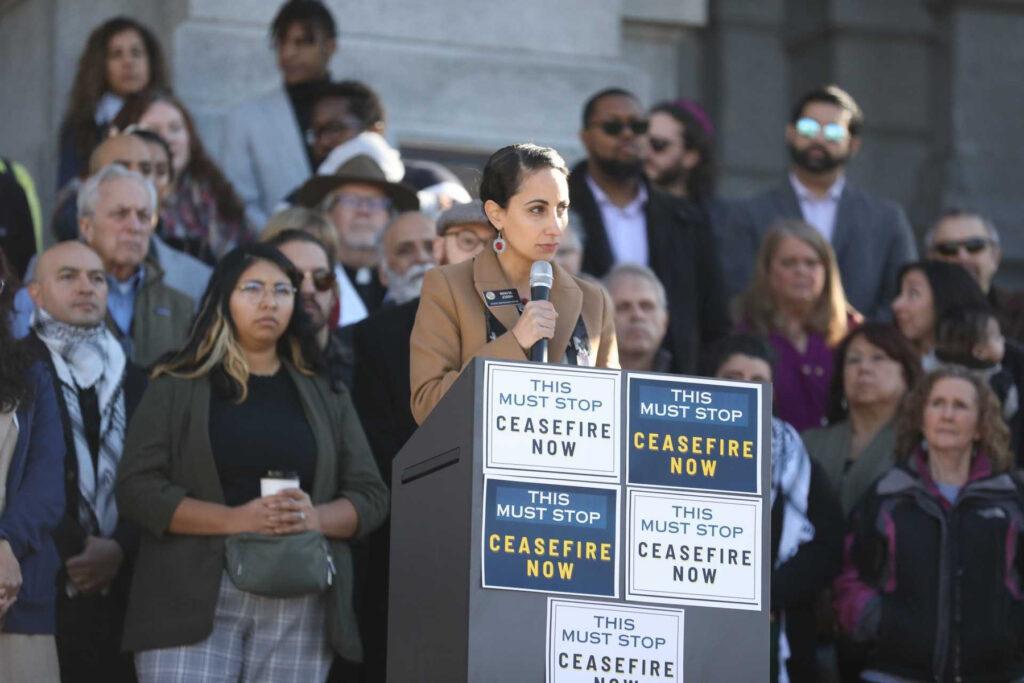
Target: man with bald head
[(96, 391), (116, 217)]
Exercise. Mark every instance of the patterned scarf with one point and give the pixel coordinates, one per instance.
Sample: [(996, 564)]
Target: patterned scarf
[(791, 479), (84, 358), (190, 213)]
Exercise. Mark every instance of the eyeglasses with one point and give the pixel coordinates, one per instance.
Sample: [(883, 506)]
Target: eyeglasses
[(356, 202), (253, 291), (332, 128), (658, 144), (467, 240), (832, 132), (322, 278), (615, 127), (973, 245)]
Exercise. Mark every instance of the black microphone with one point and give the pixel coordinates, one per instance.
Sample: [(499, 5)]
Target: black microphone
[(541, 278)]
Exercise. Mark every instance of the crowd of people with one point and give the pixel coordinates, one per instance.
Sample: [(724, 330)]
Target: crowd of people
[(288, 304)]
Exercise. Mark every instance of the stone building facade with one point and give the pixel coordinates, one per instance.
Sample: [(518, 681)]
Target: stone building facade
[(938, 79)]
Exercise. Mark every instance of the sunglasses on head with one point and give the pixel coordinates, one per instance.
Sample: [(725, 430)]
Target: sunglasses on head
[(614, 127), (973, 245), (832, 132)]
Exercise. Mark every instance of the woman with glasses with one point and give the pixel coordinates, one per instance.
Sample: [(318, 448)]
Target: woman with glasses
[(240, 408), (482, 307), (201, 214), (796, 300)]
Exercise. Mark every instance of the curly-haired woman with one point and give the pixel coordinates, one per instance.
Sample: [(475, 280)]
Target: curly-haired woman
[(932, 570)]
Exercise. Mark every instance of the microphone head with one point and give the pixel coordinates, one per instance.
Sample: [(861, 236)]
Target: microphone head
[(541, 274)]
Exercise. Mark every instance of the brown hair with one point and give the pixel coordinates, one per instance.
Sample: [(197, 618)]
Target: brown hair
[(886, 337), (91, 80), (995, 435), (756, 309), (200, 167)]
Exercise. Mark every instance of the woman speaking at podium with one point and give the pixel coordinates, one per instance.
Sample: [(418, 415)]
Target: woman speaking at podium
[(481, 308)]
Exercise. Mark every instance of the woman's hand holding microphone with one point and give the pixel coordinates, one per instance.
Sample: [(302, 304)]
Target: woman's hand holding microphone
[(537, 322)]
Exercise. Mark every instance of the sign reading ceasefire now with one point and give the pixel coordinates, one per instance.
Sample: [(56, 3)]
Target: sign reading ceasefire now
[(699, 434), (552, 421), (545, 536)]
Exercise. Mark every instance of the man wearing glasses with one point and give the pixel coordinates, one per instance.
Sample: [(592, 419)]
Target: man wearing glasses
[(360, 202), (972, 241), (625, 220), (871, 236)]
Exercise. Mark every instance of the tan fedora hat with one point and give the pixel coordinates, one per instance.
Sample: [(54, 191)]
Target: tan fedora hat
[(358, 169)]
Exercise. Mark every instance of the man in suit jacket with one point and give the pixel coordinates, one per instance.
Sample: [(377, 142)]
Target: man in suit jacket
[(871, 236), (264, 152), (627, 221)]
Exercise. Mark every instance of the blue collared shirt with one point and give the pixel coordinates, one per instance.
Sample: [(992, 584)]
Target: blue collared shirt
[(121, 299)]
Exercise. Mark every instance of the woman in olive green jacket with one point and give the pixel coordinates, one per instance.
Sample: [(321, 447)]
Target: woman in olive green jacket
[(240, 400), (875, 367)]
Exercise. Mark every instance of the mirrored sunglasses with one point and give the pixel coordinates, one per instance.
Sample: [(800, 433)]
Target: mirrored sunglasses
[(832, 132)]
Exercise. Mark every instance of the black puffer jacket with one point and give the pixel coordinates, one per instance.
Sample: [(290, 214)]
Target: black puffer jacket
[(936, 587)]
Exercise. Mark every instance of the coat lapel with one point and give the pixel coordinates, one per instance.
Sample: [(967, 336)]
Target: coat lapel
[(291, 148), (786, 203), (568, 301), (844, 228), (488, 276), (566, 297), (199, 415), (324, 473)]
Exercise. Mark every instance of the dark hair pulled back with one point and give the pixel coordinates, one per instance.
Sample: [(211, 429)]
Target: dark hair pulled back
[(503, 172)]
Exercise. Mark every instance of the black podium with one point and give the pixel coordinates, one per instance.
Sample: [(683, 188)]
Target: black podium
[(552, 523)]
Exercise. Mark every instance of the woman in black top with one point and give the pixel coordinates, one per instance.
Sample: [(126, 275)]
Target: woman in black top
[(241, 400)]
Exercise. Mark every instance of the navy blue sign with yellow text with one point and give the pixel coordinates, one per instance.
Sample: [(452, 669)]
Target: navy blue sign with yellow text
[(692, 434), (553, 537)]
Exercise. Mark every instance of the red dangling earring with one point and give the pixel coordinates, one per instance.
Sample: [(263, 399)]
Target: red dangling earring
[(499, 245)]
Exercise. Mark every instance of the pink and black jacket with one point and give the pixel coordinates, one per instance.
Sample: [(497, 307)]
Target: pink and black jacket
[(935, 587)]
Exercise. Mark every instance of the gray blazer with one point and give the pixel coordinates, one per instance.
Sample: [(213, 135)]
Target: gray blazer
[(872, 239), (830, 447), (182, 272), (263, 153)]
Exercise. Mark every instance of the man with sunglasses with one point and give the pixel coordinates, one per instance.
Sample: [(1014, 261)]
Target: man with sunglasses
[(625, 220), (972, 241), (871, 236)]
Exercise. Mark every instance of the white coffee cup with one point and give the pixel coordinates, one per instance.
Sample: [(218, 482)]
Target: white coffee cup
[(273, 483)]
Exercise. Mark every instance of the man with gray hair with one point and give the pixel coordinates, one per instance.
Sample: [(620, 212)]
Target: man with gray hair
[(406, 254), (972, 241), (116, 217), (641, 317)]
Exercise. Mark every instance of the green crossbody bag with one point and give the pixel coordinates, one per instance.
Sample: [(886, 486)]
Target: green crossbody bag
[(280, 566)]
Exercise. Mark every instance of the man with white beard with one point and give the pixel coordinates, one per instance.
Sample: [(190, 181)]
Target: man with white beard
[(406, 254), (360, 202)]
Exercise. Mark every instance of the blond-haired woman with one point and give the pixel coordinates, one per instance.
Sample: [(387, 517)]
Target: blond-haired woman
[(796, 300), (243, 401), (931, 581)]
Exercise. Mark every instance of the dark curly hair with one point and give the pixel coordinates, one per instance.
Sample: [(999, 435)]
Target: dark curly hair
[(995, 435), (91, 81)]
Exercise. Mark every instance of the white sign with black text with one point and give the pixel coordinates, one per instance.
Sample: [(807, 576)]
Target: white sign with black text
[(694, 549), (552, 421), (597, 641)]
